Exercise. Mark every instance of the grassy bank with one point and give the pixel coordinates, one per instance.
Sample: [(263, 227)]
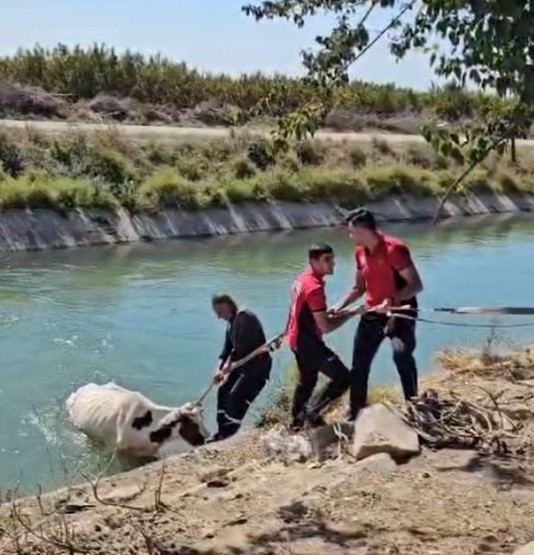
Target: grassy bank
[(107, 171), (95, 83)]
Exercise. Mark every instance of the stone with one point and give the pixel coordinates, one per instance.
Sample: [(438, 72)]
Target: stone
[(325, 436), (280, 445), (378, 429), (527, 549), (381, 463), (214, 475)]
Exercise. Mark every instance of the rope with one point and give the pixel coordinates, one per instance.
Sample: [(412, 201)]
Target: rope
[(474, 310), (276, 342), (272, 345), (461, 324)]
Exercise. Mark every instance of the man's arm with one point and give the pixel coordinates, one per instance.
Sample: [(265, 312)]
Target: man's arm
[(227, 349), (328, 323), (357, 290), (401, 260)]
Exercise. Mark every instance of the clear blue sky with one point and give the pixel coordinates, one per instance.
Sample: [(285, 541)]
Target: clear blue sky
[(212, 35)]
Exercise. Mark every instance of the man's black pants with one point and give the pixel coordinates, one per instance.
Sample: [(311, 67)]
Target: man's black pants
[(312, 359), (369, 336), (236, 395)]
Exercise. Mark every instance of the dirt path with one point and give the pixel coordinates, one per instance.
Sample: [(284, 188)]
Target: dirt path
[(173, 134), (233, 500)]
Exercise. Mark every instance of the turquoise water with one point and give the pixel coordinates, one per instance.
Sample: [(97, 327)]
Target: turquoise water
[(140, 315)]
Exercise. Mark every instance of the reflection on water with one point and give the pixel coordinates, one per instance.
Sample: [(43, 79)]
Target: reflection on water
[(140, 315)]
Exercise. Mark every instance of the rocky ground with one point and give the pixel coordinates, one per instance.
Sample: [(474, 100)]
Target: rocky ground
[(270, 493)]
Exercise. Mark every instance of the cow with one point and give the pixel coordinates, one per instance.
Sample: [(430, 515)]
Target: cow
[(130, 424)]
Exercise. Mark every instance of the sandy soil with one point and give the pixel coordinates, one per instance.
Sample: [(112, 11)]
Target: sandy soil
[(233, 500)]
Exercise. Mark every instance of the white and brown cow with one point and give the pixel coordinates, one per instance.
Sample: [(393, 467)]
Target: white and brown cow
[(128, 422)]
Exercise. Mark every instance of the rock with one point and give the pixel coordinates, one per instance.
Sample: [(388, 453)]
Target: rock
[(207, 534), (378, 429), (294, 511), (325, 436), (527, 549), (218, 482), (381, 463), (280, 445), (215, 476), (237, 521)]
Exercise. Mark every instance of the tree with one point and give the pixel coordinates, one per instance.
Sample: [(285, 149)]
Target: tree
[(489, 43)]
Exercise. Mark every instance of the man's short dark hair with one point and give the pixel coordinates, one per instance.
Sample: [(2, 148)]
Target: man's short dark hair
[(316, 251), (223, 299), (361, 216)]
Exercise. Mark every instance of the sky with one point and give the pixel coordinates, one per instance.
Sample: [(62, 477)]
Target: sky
[(211, 35)]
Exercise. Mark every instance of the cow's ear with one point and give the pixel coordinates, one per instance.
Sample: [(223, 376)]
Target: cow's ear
[(142, 421), (159, 436)]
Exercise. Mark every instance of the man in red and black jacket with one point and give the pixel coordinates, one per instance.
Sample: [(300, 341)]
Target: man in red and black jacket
[(386, 274), (307, 322)]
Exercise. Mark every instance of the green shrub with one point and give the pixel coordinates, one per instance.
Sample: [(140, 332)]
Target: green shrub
[(58, 194), (382, 147), (242, 168), (109, 165), (398, 179), (309, 153), (165, 188), (357, 157)]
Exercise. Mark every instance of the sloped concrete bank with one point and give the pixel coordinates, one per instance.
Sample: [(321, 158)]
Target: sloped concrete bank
[(24, 230)]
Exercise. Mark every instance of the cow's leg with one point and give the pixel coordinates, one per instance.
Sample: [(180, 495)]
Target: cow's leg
[(123, 434)]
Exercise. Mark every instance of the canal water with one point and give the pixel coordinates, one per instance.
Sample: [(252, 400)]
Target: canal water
[(140, 315)]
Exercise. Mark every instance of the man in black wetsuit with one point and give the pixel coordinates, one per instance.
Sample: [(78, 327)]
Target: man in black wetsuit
[(240, 387)]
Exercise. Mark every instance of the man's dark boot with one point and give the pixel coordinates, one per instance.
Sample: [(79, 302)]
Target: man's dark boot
[(316, 420), (297, 424)]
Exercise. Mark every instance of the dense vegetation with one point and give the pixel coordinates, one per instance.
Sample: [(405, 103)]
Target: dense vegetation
[(106, 170), (78, 82)]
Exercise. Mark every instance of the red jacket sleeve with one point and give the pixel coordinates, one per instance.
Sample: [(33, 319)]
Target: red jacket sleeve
[(399, 257), (316, 299)]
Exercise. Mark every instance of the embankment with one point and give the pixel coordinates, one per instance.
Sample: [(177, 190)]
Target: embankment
[(41, 229), (243, 498)]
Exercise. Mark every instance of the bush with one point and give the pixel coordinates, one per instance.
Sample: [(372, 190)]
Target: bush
[(421, 156), (398, 179), (11, 157), (41, 191), (309, 154), (243, 168), (190, 167), (109, 165), (165, 188), (358, 158), (28, 101), (259, 154)]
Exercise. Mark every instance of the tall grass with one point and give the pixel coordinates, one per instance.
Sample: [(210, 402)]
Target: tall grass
[(84, 73)]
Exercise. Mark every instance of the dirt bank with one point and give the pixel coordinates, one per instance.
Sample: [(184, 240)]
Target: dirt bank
[(167, 134), (22, 230), (234, 500)]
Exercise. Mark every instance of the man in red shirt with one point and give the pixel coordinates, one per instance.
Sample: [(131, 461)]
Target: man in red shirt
[(385, 272), (307, 322)]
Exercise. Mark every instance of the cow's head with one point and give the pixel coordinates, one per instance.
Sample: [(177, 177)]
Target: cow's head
[(185, 423)]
